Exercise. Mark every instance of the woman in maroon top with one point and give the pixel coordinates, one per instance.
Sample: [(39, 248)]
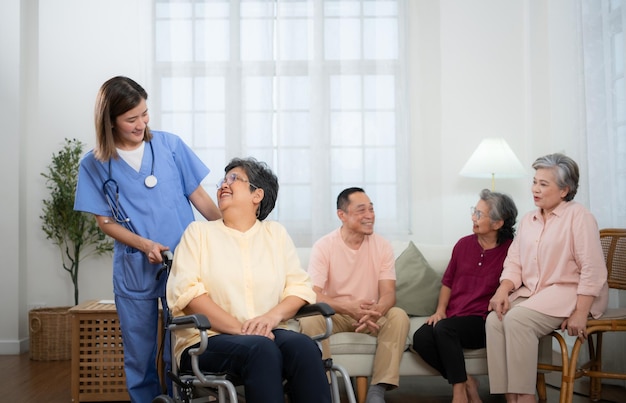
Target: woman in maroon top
[(469, 282)]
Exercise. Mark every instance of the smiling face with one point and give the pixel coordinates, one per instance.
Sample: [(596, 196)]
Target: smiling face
[(130, 127), (359, 216), (546, 193), (235, 191)]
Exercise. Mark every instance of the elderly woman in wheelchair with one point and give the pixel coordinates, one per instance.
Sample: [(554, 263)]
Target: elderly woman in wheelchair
[(243, 274)]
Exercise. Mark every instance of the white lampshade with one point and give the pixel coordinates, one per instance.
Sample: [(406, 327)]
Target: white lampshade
[(492, 158)]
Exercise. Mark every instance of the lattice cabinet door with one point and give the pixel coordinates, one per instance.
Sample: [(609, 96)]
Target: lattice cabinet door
[(97, 354)]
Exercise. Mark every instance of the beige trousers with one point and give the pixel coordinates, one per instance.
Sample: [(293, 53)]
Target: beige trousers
[(513, 348), (392, 338)]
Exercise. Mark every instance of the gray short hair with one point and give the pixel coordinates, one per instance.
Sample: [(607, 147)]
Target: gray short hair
[(566, 170), (501, 207)]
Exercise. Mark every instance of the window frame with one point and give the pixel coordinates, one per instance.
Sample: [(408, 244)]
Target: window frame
[(323, 191)]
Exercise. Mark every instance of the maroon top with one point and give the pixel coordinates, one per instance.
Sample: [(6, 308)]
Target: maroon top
[(473, 276)]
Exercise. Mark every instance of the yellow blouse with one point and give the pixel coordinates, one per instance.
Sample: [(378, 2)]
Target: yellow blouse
[(245, 273)]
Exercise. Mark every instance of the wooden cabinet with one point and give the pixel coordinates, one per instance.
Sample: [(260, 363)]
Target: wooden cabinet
[(97, 354)]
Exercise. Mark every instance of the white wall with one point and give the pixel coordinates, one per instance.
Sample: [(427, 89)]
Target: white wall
[(12, 286), (55, 55), (479, 68), (483, 95), (103, 39)]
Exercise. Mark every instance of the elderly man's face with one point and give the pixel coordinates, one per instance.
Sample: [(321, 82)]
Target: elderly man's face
[(359, 216)]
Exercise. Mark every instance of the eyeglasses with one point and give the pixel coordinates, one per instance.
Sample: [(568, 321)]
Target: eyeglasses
[(231, 178), (476, 213)]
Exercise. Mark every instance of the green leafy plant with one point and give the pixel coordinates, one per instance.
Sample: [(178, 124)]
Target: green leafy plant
[(75, 233)]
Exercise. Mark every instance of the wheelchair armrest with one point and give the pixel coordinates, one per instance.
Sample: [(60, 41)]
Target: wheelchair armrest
[(197, 321), (320, 308)]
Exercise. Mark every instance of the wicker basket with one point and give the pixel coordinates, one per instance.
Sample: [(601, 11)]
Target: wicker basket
[(50, 334)]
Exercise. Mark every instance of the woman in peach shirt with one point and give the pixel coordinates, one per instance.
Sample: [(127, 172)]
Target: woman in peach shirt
[(554, 276)]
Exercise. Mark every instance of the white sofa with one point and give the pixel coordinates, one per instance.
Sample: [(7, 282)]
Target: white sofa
[(355, 351)]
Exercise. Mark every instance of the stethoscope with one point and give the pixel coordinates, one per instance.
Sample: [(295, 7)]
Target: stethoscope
[(151, 180), (111, 191)]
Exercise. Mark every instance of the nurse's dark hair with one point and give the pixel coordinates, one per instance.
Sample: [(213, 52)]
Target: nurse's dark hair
[(501, 207), (116, 96), (565, 170), (259, 176)]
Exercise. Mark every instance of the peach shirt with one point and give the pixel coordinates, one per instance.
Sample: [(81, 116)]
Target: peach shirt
[(552, 262), (348, 274)]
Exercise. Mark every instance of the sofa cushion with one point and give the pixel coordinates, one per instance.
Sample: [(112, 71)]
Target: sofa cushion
[(362, 343), (352, 343), (417, 284)]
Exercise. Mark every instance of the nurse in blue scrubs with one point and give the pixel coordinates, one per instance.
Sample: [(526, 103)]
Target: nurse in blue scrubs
[(140, 185)]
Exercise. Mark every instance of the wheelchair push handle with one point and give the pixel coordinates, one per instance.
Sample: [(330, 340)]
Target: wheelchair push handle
[(167, 257)]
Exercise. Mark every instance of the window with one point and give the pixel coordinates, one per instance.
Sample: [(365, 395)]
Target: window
[(314, 88), (605, 108), (616, 87)]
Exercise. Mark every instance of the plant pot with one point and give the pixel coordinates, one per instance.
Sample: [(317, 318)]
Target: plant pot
[(50, 334)]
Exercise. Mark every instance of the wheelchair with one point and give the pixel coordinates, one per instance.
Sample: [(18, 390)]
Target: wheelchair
[(198, 386)]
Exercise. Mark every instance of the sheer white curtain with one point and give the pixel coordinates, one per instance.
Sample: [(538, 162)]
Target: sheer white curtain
[(315, 88), (603, 44)]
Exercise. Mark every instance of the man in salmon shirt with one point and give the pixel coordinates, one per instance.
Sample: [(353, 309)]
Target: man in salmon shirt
[(353, 271)]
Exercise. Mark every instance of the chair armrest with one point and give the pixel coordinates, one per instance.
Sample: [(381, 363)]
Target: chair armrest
[(320, 308), (197, 321)]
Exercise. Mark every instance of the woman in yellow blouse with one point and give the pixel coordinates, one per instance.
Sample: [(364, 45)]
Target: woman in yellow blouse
[(244, 275)]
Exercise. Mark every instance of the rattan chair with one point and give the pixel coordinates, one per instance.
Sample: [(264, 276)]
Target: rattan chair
[(543, 367), (614, 320)]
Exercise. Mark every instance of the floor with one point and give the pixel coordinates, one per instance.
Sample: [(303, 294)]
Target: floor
[(437, 390), (25, 381)]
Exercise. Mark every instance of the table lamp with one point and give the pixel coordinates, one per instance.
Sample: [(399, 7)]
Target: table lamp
[(492, 157)]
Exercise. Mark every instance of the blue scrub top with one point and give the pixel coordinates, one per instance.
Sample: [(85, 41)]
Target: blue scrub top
[(160, 213)]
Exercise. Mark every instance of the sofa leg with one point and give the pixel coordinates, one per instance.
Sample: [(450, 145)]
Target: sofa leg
[(361, 388)]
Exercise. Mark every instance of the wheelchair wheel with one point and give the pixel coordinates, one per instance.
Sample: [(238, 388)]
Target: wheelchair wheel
[(163, 399)]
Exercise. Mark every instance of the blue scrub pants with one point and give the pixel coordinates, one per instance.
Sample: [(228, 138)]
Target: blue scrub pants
[(262, 364), (139, 324), (441, 346)]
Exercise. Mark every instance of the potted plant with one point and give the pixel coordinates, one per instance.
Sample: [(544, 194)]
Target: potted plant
[(78, 236), (75, 233)]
